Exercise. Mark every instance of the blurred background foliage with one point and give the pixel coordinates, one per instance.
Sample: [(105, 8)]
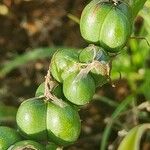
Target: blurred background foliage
[(32, 30), (134, 63)]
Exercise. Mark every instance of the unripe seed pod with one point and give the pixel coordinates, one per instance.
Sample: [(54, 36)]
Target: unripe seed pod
[(31, 119), (101, 69), (27, 144), (79, 90), (8, 136), (62, 60), (49, 121), (107, 23)]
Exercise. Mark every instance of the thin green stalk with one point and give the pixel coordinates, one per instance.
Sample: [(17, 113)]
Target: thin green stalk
[(74, 18), (106, 100), (122, 107)]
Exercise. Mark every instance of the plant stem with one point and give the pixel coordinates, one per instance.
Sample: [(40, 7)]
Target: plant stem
[(49, 85), (106, 100), (74, 18)]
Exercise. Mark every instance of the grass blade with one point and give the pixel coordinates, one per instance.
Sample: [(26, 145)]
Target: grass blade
[(122, 107), (27, 57)]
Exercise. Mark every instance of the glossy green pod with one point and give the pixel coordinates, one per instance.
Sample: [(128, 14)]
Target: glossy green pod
[(93, 52), (62, 60), (8, 136), (107, 23), (96, 53), (40, 90), (48, 121), (31, 119), (63, 123), (27, 144), (79, 91)]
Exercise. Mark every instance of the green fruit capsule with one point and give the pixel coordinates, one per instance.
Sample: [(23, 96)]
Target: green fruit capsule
[(92, 52), (63, 123), (31, 119), (8, 136), (95, 53), (79, 90), (40, 90), (62, 60), (49, 121), (99, 79), (107, 23), (27, 144), (57, 90)]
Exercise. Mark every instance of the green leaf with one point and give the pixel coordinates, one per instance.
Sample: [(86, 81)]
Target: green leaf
[(7, 113), (35, 54), (136, 6), (122, 107), (133, 138)]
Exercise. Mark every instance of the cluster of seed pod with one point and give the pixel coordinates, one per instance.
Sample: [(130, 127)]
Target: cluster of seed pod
[(80, 73), (52, 115)]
